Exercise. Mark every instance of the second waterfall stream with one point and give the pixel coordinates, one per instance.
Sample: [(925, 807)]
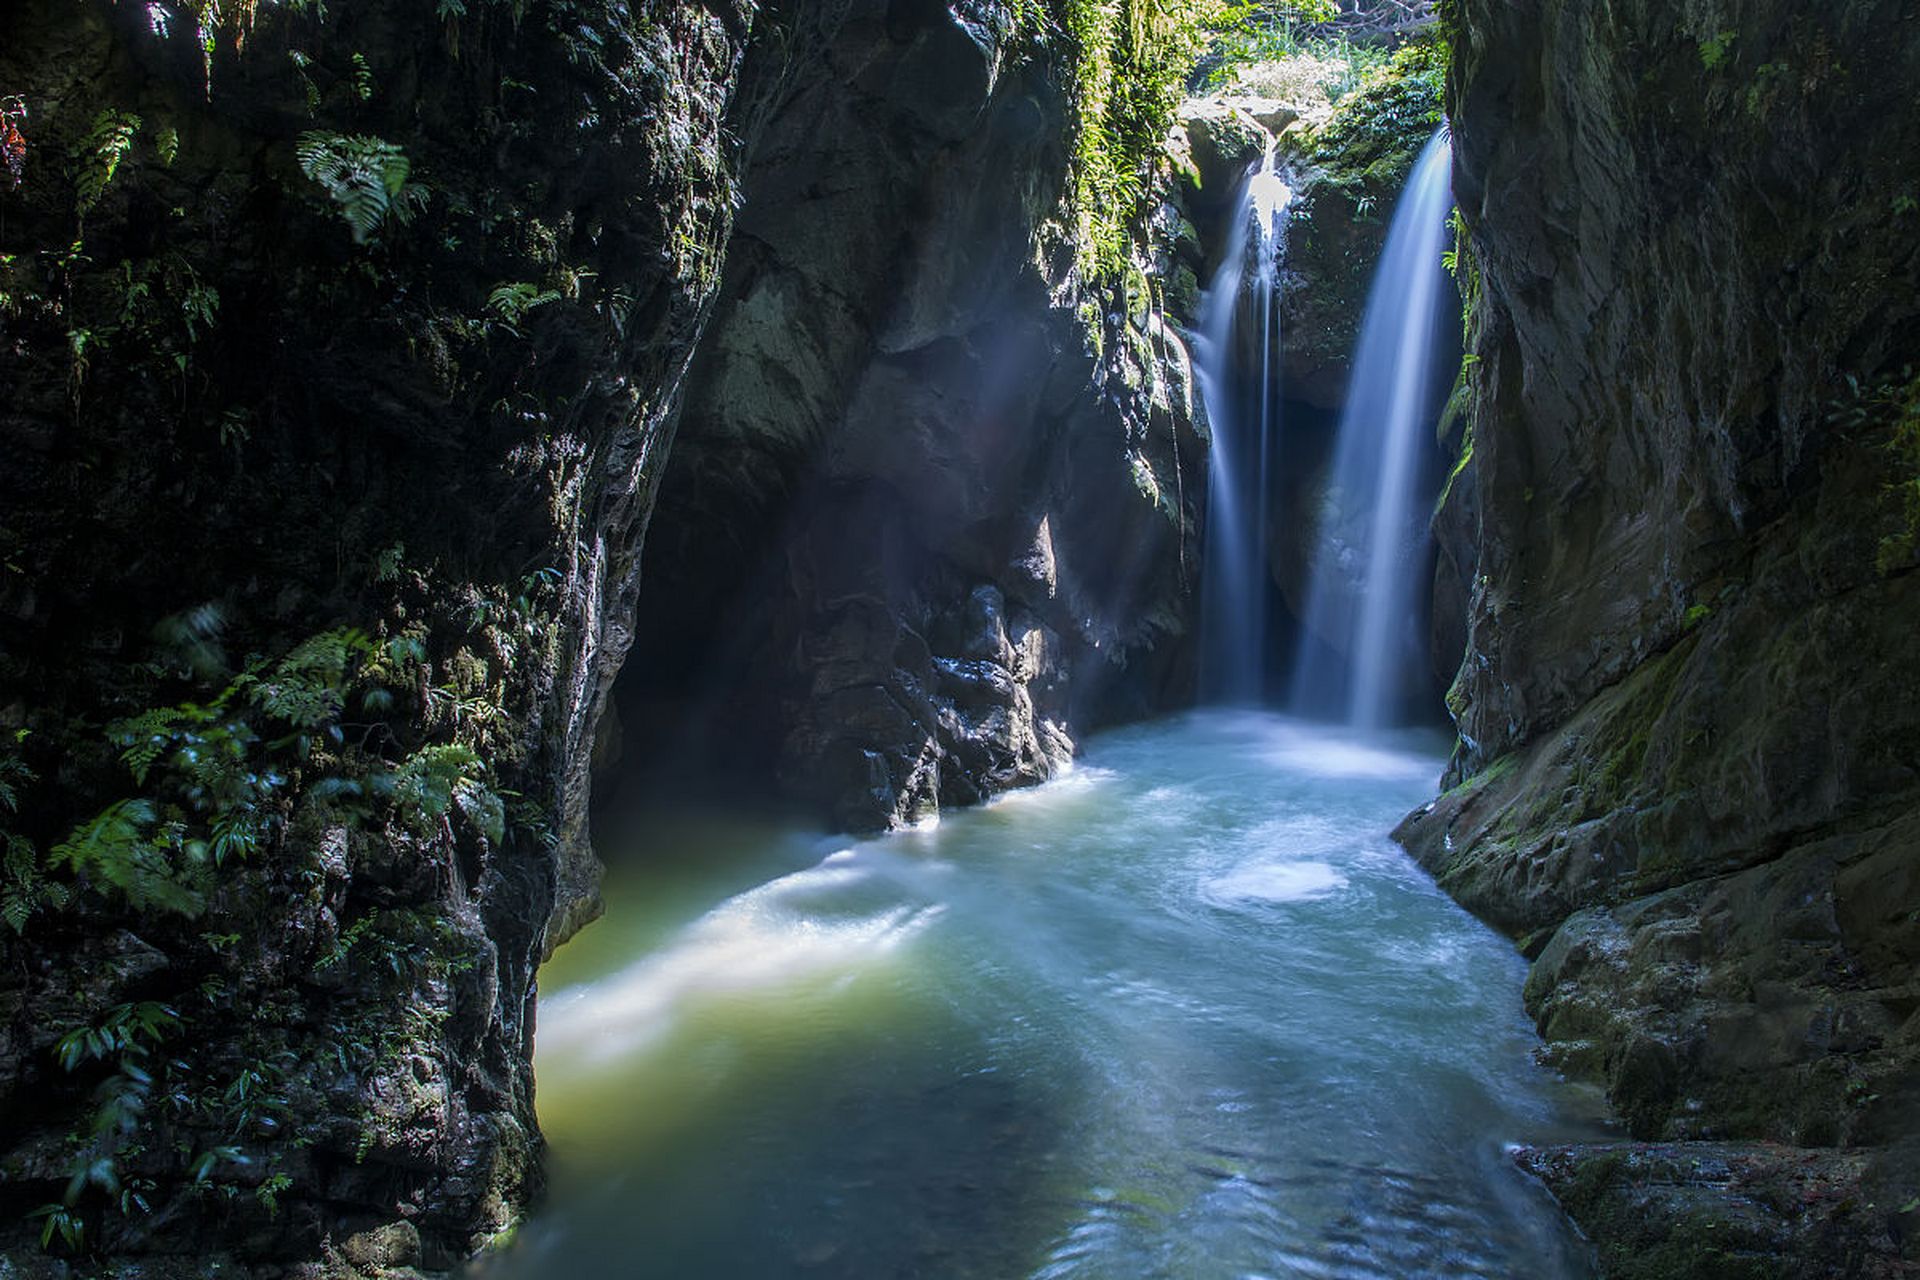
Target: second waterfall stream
[(1242, 395), (1361, 626)]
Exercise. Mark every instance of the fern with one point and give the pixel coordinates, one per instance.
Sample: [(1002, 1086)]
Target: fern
[(365, 177), (117, 850), (512, 301), (145, 738), (307, 688), (101, 152), (27, 889), (24, 888), (428, 782), (14, 774)]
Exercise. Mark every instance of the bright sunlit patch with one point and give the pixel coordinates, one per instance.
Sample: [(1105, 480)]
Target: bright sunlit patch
[(1328, 753), (764, 944)]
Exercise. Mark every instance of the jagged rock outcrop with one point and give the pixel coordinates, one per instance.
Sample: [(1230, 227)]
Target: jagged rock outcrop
[(929, 511), (1687, 777)]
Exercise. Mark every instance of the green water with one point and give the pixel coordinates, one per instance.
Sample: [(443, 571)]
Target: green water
[(1185, 1013)]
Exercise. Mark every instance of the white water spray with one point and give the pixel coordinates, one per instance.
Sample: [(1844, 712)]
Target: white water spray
[(1373, 529)]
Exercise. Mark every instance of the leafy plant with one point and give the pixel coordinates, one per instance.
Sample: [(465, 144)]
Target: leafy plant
[(510, 302), (125, 849), (365, 177), (101, 152), (1715, 49), (24, 887), (124, 1035), (1130, 62)]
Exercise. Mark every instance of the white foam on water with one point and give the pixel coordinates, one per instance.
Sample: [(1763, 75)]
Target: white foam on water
[(761, 943), (1073, 781), (1292, 881)]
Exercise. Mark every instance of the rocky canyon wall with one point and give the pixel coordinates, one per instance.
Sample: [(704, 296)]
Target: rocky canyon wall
[(344, 353), (933, 510), (1689, 738)]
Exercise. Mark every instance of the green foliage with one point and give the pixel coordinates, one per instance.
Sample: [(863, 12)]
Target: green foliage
[(217, 779), (125, 849), (432, 778), (125, 1028), (1395, 106), (123, 1037), (308, 687), (365, 177), (1130, 63), (1716, 48), (363, 86), (101, 152), (1465, 270), (511, 302), (24, 886)]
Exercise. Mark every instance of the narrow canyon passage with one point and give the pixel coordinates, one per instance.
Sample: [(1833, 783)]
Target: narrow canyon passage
[(1185, 1012)]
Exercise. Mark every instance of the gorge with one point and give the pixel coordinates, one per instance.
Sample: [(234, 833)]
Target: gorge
[(438, 443)]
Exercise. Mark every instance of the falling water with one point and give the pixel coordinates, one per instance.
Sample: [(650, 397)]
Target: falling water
[(1371, 531), (1233, 584)]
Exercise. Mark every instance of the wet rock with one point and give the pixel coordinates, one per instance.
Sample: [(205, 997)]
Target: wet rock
[(377, 1251), (357, 438), (1730, 1211)]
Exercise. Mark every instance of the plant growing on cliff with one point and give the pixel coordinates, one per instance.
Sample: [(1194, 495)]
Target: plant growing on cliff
[(24, 886), (365, 177), (123, 1036), (1130, 61), (217, 779), (101, 152), (1400, 99)]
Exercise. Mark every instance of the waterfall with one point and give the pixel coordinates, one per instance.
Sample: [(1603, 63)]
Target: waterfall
[(1373, 523), (1243, 415)]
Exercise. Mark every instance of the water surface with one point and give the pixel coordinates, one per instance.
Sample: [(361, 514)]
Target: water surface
[(1185, 1013)]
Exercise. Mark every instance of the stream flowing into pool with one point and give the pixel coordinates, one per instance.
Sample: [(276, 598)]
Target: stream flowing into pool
[(1186, 1012)]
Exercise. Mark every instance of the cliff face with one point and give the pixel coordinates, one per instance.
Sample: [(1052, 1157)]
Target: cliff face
[(1687, 776), (342, 368), (932, 510), (338, 373)]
